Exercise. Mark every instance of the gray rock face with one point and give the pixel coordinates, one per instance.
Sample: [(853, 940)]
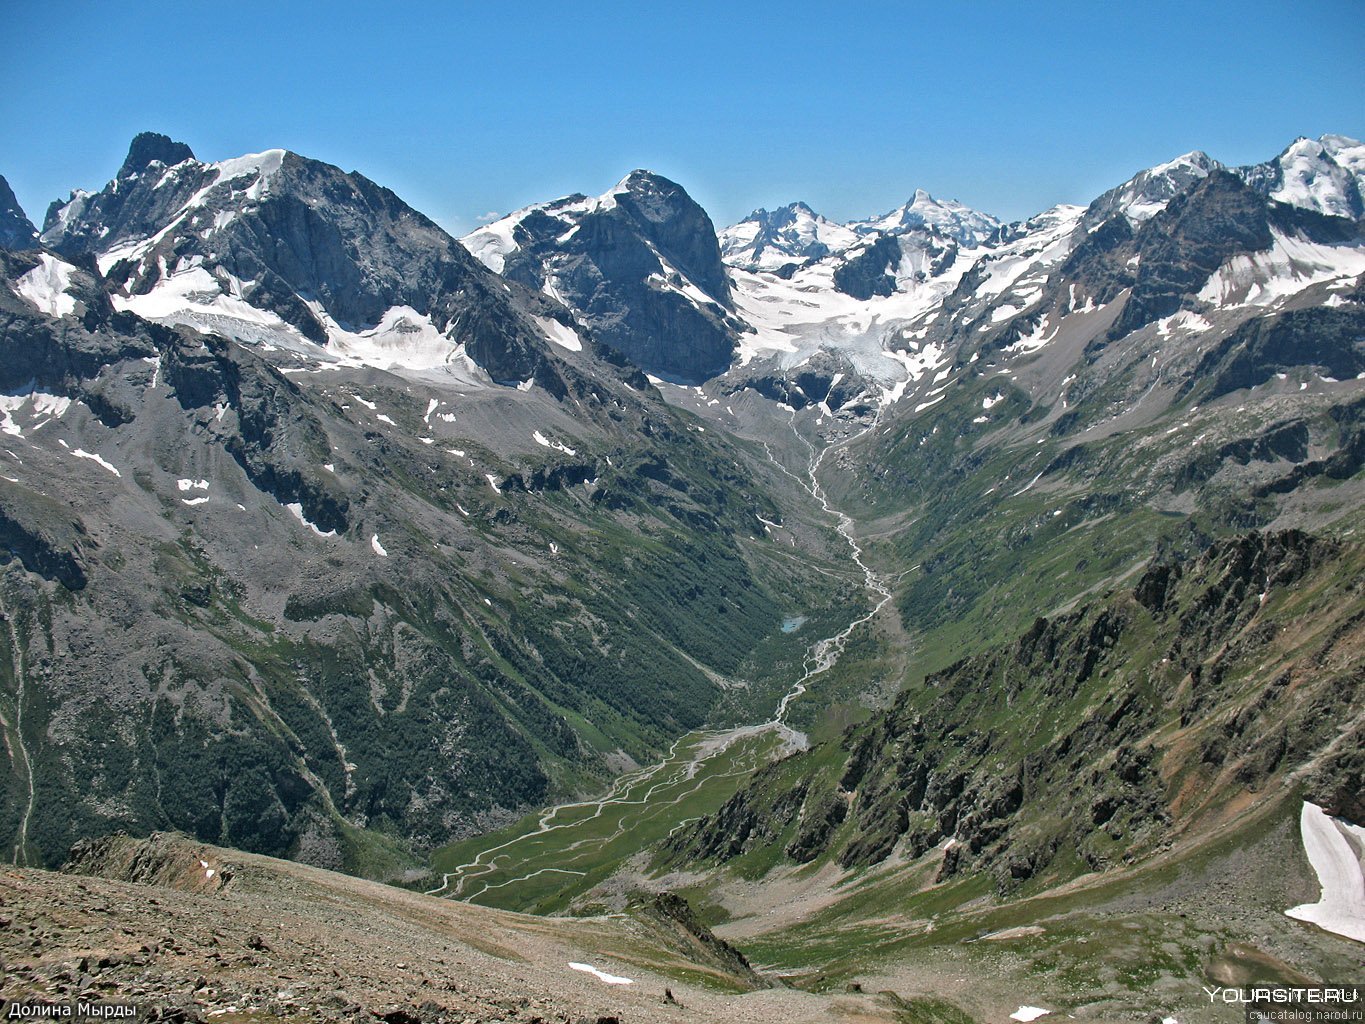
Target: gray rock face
[(1164, 258), (16, 230), (640, 265), (872, 271), (1181, 246)]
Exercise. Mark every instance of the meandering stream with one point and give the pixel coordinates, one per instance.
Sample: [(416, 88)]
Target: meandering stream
[(687, 755)]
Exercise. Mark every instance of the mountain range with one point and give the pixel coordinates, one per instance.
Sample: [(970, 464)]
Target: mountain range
[(326, 535)]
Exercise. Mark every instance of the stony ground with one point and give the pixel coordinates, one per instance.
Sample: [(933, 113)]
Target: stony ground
[(280, 941)]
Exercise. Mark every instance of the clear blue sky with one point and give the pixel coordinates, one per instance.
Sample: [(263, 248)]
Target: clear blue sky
[(468, 108)]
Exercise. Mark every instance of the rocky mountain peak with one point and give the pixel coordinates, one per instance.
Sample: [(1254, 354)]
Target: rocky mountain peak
[(640, 264), (1326, 175), (1146, 193), (772, 239), (925, 213), (348, 266), (16, 230), (149, 147)]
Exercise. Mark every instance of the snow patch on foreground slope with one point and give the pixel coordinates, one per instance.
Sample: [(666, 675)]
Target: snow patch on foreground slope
[(1334, 847)]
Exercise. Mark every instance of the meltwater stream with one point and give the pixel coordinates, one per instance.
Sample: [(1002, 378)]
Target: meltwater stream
[(637, 788)]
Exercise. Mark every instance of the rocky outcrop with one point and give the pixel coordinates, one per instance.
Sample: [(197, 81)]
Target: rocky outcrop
[(1337, 782), (45, 537), (165, 859), (152, 147), (872, 271), (675, 925)]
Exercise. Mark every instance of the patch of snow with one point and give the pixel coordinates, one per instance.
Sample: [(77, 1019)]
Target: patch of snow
[(378, 548), (492, 244), (45, 407), (196, 298), (45, 287), (610, 979), (403, 338), (545, 442), (1034, 340), (80, 453), (1328, 844), (1182, 321), (493, 483), (1028, 1013), (564, 337), (1029, 484), (297, 509), (192, 485), (1289, 266)]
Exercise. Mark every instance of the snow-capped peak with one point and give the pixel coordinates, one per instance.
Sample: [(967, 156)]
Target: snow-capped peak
[(494, 242), (767, 240), (1196, 161), (1148, 192), (1326, 175), (946, 217)]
